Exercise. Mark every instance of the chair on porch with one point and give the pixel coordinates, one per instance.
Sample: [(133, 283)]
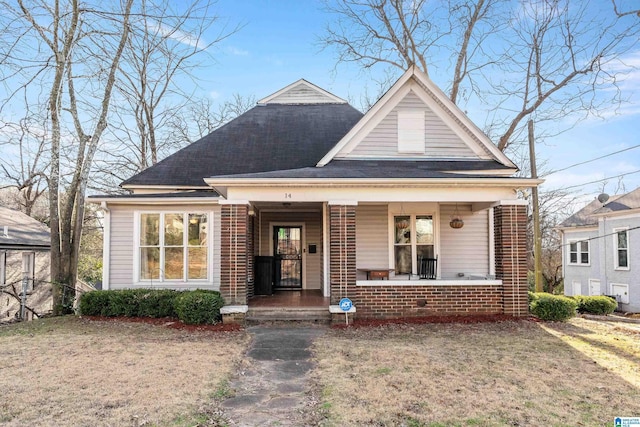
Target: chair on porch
[(427, 267)]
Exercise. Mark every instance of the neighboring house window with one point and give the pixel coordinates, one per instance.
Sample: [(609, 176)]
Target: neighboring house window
[(621, 248), (173, 246), (579, 252), (411, 131), (29, 268), (413, 238), (3, 267)]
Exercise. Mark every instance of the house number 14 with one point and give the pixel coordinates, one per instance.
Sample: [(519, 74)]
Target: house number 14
[(287, 195)]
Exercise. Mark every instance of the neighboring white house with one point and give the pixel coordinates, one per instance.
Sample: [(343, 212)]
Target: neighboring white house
[(25, 247), (332, 200), (601, 255)]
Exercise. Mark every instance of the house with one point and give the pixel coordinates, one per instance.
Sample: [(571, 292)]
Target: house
[(25, 247), (306, 193), (600, 256)]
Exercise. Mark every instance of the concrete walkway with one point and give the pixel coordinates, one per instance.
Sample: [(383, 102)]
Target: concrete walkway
[(272, 388)]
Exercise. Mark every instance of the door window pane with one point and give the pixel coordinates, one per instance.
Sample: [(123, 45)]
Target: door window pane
[(403, 259), (402, 229)]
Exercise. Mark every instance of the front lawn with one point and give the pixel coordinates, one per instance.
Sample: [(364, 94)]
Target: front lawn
[(75, 372), (579, 373)]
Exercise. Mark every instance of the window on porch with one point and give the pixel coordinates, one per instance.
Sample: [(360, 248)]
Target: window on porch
[(414, 239)]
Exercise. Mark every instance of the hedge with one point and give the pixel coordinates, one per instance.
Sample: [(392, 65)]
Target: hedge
[(199, 307), (192, 307), (596, 304), (553, 307)]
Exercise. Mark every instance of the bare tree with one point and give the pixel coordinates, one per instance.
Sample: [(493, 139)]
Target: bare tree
[(25, 164), (543, 60), (76, 50)]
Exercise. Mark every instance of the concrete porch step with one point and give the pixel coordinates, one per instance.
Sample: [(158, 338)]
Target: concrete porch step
[(307, 314)]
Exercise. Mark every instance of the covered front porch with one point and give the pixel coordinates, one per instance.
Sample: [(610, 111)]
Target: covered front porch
[(320, 252)]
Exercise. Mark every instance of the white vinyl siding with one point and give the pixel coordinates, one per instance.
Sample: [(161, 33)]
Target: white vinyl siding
[(123, 243), (411, 132), (439, 140), (372, 244), (29, 268), (312, 222), (464, 250)]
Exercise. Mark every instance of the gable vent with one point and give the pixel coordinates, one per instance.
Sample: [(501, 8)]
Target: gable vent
[(411, 132)]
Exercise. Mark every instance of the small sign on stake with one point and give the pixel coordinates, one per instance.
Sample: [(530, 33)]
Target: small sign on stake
[(345, 305)]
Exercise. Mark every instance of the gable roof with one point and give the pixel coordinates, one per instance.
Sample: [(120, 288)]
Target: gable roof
[(302, 92), (22, 231), (588, 216), (266, 138), (418, 82)]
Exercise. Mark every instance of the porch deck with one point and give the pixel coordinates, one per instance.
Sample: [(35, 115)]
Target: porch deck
[(302, 298)]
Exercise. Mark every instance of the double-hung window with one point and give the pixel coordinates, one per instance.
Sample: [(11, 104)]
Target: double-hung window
[(413, 239), (621, 248), (173, 246), (579, 252)]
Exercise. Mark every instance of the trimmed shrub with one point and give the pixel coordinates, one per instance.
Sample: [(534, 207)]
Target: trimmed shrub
[(94, 303), (596, 304), (553, 307), (130, 303), (158, 303), (532, 297), (199, 307)]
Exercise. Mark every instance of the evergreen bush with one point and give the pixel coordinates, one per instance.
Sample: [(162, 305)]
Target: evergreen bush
[(596, 304), (199, 307), (553, 307)]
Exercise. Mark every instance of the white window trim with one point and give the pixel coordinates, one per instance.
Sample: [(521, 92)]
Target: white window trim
[(3, 267), (161, 280), (615, 249), (412, 215), (579, 252)]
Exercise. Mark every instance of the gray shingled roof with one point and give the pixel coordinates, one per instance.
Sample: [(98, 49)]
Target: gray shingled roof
[(624, 202), (384, 169), (586, 216), (266, 138), (23, 231)]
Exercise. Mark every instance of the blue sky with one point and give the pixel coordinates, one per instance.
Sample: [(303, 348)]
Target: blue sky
[(278, 45)]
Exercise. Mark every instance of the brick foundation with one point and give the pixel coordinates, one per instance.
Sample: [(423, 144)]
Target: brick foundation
[(510, 227), (426, 300), (234, 254)]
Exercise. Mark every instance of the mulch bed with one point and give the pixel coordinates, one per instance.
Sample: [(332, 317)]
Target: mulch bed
[(364, 323), (168, 322)]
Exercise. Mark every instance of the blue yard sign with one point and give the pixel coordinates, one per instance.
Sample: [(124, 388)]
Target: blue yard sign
[(345, 304)]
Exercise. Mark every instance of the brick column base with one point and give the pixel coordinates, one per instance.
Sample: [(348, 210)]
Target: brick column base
[(510, 226)]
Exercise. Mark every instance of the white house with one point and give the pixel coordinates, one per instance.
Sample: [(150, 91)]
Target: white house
[(600, 256), (305, 193)]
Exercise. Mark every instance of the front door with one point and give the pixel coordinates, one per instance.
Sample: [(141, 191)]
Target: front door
[(287, 253)]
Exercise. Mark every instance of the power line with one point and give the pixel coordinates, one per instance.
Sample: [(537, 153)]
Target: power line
[(588, 239), (601, 180), (591, 160)]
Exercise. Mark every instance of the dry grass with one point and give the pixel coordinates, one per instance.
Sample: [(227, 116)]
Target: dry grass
[(73, 372), (580, 373)]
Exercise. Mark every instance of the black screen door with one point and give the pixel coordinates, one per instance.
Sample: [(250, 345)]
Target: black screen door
[(287, 251)]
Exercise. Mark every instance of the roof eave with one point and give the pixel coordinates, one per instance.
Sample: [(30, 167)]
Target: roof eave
[(217, 183)]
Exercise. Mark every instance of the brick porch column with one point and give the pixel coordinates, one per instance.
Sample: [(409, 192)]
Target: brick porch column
[(342, 250), (234, 254), (510, 227)]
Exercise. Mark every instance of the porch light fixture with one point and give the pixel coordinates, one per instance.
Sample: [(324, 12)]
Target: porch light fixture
[(456, 219)]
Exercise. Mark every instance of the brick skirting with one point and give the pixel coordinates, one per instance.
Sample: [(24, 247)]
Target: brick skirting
[(426, 300)]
